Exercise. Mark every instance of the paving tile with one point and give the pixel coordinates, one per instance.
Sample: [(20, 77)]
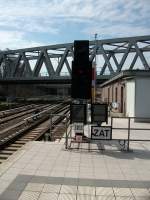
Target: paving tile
[(4, 184), (10, 195), (106, 191), (51, 188), (122, 192), (48, 196), (2, 190), (57, 173), (24, 178), (14, 170), (142, 198), (125, 198), (8, 177), (29, 172), (72, 174), (34, 187), (42, 173), (86, 190), (140, 192), (38, 179), (85, 197), (105, 198), (38, 155), (67, 189), (16, 186), (86, 176), (67, 197), (26, 195), (70, 181)]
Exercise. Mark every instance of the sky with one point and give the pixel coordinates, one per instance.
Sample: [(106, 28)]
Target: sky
[(29, 23)]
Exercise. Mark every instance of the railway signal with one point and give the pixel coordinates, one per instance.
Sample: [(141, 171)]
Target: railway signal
[(83, 91), (81, 71)]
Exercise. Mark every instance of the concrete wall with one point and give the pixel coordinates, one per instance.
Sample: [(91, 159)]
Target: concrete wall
[(130, 98), (142, 97), (32, 90)]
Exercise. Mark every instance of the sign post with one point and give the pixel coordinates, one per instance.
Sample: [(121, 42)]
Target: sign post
[(79, 131)]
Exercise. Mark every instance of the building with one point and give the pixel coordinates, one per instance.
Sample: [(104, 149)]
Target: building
[(129, 93)]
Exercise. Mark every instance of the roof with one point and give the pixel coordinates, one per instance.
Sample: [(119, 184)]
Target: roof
[(126, 74)]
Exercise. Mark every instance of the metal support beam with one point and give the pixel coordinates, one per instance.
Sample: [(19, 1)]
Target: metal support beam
[(93, 54), (38, 65), (48, 64), (133, 61), (105, 65), (16, 67), (61, 62), (68, 66), (28, 71), (140, 54), (124, 58), (115, 60), (107, 60), (1, 59)]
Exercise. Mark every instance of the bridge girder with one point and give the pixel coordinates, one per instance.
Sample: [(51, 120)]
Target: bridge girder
[(18, 63)]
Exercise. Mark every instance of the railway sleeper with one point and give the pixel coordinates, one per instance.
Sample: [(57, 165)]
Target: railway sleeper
[(28, 138), (31, 134), (7, 152), (11, 148), (3, 156), (16, 145), (22, 139), (34, 135), (20, 142)]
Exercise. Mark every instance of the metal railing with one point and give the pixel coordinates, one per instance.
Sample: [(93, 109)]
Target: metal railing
[(133, 124), (129, 128), (54, 123)]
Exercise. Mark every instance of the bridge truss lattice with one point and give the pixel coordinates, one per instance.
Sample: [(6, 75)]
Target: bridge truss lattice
[(113, 56)]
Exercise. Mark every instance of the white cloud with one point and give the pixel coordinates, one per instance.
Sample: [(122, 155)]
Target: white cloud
[(98, 10), (117, 31), (110, 18), (14, 40)]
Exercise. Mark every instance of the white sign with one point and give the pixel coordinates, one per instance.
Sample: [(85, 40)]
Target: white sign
[(78, 127), (101, 132)]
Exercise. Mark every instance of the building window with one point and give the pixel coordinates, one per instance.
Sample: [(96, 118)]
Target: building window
[(116, 94)]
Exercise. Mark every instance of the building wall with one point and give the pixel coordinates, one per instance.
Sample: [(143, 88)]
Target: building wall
[(115, 92), (130, 98), (142, 97)]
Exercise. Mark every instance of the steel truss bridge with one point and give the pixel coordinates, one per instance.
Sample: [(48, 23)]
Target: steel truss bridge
[(112, 55)]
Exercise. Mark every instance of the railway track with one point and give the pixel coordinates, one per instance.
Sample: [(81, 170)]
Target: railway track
[(34, 130), (16, 118), (11, 112)]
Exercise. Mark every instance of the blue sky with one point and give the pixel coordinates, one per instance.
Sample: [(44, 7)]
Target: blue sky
[(28, 23)]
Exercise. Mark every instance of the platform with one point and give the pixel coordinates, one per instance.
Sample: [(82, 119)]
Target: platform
[(46, 170)]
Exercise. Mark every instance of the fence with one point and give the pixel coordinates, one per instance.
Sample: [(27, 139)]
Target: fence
[(132, 125), (123, 130)]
